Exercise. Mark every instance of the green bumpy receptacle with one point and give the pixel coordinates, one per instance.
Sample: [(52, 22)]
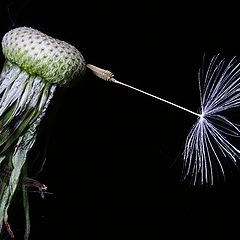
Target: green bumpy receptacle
[(54, 60)]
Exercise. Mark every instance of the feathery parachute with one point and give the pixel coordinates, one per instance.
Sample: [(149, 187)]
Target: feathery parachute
[(208, 144)]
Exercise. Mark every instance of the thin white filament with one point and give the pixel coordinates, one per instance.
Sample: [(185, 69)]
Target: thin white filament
[(108, 76), (158, 98)]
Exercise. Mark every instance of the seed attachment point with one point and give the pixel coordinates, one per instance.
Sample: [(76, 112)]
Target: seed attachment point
[(102, 73)]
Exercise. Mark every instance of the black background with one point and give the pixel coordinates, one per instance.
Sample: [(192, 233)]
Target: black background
[(114, 160)]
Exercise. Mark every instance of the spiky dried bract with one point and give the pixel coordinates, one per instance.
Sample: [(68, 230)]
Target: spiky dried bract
[(209, 146), (54, 60)]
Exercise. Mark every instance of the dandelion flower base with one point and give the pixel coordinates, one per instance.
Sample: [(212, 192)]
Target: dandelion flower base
[(35, 65)]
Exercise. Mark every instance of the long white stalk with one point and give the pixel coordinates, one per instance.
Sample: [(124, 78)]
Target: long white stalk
[(108, 76)]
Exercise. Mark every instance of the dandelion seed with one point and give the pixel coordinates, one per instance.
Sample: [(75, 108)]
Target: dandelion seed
[(207, 144)]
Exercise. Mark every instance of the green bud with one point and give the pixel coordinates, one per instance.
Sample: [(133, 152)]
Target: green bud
[(38, 54)]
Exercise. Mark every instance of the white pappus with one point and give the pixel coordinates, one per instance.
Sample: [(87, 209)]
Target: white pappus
[(208, 144)]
